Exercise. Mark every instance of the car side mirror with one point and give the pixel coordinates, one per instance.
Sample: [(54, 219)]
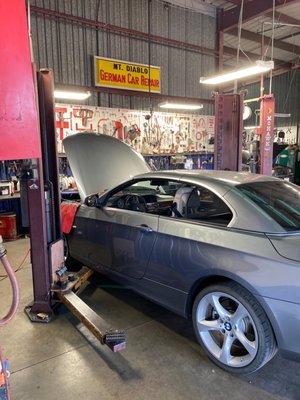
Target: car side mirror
[(92, 201), (99, 202)]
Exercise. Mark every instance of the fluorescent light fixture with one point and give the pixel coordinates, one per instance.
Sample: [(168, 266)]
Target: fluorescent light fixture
[(258, 68), (180, 106), (68, 95), (250, 127)]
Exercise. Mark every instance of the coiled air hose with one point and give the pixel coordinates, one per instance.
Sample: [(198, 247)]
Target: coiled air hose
[(11, 313), (14, 285)]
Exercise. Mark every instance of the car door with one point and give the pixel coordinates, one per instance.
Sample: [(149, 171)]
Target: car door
[(130, 237), (88, 241), (187, 246), (130, 233), (120, 240)]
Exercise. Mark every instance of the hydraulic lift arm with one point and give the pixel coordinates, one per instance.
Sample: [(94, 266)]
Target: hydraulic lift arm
[(55, 273), (28, 131)]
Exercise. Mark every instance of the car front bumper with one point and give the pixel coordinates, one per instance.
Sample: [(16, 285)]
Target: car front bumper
[(285, 318)]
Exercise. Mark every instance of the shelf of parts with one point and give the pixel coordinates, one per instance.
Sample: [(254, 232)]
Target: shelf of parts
[(203, 152)]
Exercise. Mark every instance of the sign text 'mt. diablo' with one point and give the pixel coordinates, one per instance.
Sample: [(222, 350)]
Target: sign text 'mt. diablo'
[(119, 74)]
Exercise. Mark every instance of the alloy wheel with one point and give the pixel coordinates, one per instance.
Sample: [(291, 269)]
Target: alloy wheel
[(227, 329)]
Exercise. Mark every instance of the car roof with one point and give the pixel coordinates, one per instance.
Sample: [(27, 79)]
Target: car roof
[(225, 179), (247, 215)]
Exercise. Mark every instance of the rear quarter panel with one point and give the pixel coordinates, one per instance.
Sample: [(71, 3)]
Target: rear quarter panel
[(186, 252)]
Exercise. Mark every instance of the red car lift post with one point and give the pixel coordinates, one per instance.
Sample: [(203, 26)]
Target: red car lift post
[(228, 131), (266, 132), (19, 132), (27, 133)]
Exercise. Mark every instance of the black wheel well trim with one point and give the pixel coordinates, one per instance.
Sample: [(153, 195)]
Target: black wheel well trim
[(218, 278), (200, 284)]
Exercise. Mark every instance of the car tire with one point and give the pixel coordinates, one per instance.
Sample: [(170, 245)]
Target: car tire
[(71, 263), (239, 340)]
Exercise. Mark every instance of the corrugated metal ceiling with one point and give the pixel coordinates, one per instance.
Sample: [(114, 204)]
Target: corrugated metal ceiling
[(287, 34)]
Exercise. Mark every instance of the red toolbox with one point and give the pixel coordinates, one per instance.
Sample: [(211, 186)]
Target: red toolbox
[(8, 226)]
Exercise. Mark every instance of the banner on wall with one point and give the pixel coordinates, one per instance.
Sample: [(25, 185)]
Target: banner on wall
[(163, 133), (118, 74)]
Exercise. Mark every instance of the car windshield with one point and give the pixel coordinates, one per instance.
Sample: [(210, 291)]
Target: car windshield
[(154, 187), (279, 199)]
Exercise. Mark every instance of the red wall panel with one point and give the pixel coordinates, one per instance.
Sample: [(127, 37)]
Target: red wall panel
[(19, 127)]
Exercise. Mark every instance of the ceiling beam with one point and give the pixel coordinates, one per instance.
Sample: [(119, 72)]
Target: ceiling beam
[(235, 2), (252, 9), (123, 31), (290, 35), (295, 63), (253, 56), (231, 51), (279, 17), (257, 37)]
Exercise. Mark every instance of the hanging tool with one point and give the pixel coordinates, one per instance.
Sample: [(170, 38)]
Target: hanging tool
[(84, 113)]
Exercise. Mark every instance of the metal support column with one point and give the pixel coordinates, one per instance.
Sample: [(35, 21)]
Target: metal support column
[(45, 82), (38, 242), (43, 198), (228, 131)]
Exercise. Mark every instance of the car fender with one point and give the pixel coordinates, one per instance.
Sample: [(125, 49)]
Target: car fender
[(220, 276)]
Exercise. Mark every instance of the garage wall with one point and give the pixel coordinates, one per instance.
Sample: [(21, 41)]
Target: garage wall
[(69, 48), (286, 88)]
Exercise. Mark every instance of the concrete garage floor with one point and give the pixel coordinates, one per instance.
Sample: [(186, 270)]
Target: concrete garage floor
[(61, 360)]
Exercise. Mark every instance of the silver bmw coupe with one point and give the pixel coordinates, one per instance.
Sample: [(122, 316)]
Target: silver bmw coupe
[(222, 248)]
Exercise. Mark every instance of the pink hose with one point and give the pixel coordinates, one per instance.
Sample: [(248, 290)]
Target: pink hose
[(14, 284), (13, 308), (6, 380)]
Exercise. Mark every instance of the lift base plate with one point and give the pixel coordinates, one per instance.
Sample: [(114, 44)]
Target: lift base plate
[(40, 317)]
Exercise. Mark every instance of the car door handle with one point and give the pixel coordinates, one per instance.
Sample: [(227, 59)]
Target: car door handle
[(145, 228)]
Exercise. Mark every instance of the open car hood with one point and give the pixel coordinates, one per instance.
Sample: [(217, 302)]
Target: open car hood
[(100, 162)]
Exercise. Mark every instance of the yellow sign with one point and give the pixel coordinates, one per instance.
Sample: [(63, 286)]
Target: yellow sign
[(118, 74)]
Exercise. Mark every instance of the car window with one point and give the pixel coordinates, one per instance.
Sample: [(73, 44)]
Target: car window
[(279, 199), (201, 204), (148, 187), (153, 196), (172, 199)]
